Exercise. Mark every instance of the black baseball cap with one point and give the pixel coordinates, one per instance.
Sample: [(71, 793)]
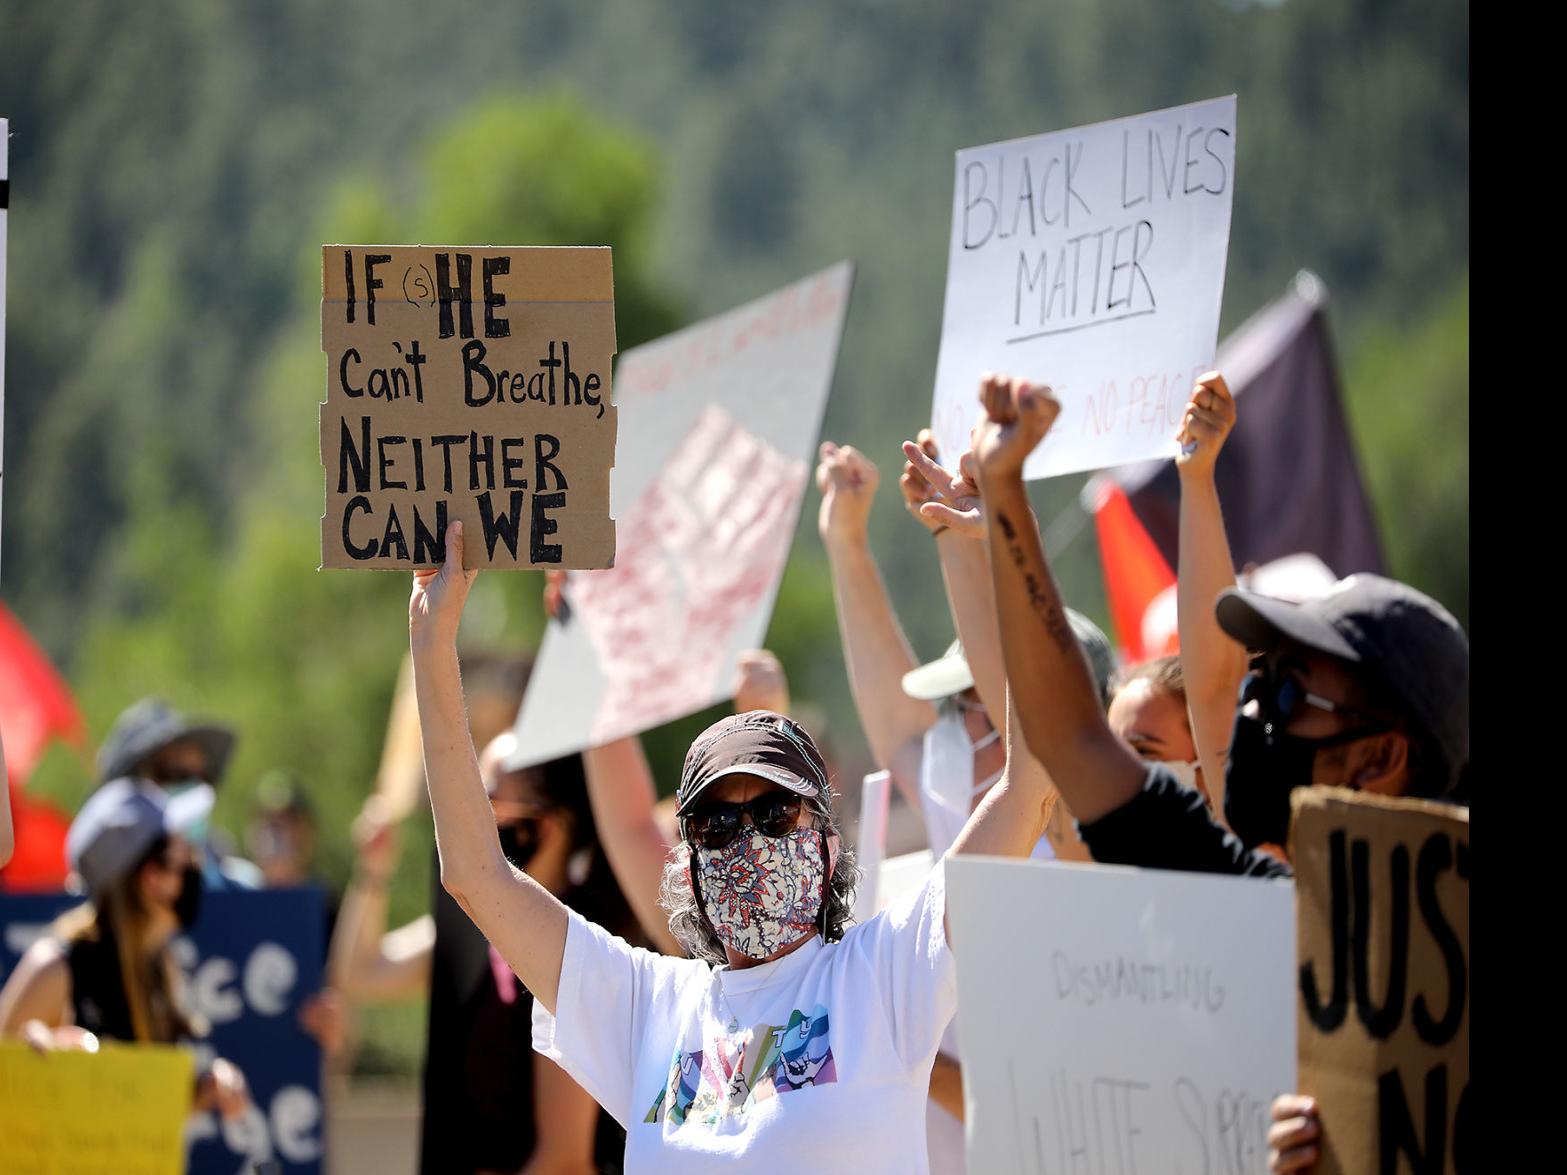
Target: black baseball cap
[(758, 742), (1408, 645)]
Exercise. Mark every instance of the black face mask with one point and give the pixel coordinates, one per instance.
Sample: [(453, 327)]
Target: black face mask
[(519, 841), (1265, 765), (188, 905)]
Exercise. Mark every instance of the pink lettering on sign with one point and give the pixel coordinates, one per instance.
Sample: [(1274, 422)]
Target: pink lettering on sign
[(697, 556)]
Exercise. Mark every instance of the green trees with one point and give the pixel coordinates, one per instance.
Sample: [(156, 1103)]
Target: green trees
[(177, 165)]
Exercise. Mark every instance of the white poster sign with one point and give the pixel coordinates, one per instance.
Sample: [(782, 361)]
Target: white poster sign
[(1091, 260), (1120, 1020), (718, 429)]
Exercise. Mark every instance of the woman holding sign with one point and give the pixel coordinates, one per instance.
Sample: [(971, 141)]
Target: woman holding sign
[(787, 1034), (105, 969)]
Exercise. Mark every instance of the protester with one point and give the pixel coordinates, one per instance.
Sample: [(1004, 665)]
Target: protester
[(481, 1074), (151, 741), (105, 968), (281, 839), (1148, 713), (281, 833), (624, 795), (659, 1040), (1366, 688), (929, 726)]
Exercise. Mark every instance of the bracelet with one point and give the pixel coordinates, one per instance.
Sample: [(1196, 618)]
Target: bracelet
[(939, 529)]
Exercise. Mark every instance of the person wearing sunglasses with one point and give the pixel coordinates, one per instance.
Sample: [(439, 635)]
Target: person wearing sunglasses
[(1366, 687), (790, 1038)]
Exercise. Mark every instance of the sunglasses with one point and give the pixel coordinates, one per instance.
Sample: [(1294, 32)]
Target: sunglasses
[(1281, 697), (712, 826)]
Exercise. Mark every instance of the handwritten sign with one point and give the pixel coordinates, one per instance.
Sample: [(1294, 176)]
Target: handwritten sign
[(250, 960), (725, 415), (1091, 260), (471, 384), (121, 1109), (1383, 899), (1120, 1020)]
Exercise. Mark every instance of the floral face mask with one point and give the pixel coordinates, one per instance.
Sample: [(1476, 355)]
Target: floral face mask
[(763, 893)]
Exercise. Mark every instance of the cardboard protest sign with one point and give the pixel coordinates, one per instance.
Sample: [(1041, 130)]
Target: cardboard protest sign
[(726, 415), (252, 958), (121, 1109), (1091, 260), (1382, 891), (1119, 1020), (472, 384)]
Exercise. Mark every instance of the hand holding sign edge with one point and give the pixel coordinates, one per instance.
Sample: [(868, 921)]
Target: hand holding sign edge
[(435, 607)]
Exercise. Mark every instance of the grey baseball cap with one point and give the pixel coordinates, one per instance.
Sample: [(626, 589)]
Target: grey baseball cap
[(121, 821), (949, 674), (1409, 647), (149, 726)]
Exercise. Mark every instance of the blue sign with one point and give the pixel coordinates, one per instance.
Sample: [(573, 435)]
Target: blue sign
[(252, 959)]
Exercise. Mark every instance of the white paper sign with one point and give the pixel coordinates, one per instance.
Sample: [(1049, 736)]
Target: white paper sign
[(1120, 1020), (1091, 260), (718, 428)]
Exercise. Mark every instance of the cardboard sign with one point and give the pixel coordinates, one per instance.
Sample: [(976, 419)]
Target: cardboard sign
[(1383, 896), (251, 960), (725, 415), (472, 384), (1091, 260), (121, 1109), (1119, 1020)]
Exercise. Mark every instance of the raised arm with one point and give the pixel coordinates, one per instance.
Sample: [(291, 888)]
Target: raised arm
[(364, 961), (623, 795), (760, 682), (522, 919), (1057, 703), (951, 508), (1211, 662), (877, 653)]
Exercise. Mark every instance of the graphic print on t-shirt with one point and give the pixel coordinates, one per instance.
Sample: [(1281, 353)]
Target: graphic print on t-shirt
[(706, 1086)]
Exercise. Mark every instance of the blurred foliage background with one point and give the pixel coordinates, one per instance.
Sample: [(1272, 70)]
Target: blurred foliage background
[(177, 164)]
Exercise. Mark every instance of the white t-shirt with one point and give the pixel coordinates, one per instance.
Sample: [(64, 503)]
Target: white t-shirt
[(830, 1067)]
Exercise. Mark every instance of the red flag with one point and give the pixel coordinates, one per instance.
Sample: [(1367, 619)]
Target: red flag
[(35, 703), (39, 859), (1135, 572)]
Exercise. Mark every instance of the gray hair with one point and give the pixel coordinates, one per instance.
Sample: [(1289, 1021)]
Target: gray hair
[(695, 933)]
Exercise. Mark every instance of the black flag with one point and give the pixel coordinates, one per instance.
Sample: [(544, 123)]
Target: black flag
[(1287, 476)]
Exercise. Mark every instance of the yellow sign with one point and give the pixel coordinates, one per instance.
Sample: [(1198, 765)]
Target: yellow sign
[(121, 1109)]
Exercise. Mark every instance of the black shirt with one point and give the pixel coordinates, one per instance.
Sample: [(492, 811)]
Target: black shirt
[(478, 1074), (1167, 826), (97, 989)]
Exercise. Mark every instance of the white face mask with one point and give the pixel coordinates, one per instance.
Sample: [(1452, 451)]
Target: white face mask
[(947, 786), (1185, 772)]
